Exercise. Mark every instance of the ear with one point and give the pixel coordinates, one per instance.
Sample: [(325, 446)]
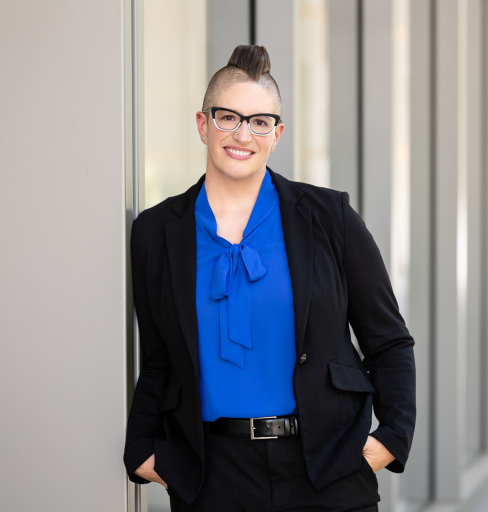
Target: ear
[(277, 134), (202, 126)]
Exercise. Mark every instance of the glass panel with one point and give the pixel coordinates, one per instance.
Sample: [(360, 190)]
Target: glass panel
[(312, 161), (175, 76)]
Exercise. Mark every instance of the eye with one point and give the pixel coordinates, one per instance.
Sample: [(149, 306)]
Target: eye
[(226, 116), (262, 121)]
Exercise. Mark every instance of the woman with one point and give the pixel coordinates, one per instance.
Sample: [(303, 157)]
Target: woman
[(252, 396)]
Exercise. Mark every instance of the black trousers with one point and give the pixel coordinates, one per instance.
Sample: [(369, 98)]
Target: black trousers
[(269, 475)]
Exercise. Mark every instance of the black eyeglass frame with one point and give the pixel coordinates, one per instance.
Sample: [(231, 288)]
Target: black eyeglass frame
[(276, 117)]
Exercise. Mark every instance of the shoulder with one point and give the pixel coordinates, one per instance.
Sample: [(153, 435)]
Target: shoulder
[(320, 197), (302, 194), (328, 205)]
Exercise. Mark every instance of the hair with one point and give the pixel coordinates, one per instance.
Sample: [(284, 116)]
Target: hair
[(248, 63)]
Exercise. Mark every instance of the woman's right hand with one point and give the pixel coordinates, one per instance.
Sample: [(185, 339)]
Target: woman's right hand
[(146, 470)]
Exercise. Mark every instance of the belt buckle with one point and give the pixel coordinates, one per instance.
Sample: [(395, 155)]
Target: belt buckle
[(251, 424)]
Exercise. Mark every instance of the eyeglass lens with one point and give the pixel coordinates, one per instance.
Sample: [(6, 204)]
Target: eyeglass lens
[(228, 121)]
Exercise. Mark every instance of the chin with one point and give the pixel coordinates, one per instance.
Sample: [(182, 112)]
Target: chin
[(241, 171)]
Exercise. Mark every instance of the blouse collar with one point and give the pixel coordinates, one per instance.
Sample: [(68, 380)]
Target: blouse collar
[(264, 205)]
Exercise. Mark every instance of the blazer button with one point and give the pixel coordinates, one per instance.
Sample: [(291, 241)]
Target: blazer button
[(303, 358)]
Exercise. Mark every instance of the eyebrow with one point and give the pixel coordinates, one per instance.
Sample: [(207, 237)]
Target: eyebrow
[(257, 113)]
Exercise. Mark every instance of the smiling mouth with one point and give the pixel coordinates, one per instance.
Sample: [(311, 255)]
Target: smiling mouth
[(239, 153)]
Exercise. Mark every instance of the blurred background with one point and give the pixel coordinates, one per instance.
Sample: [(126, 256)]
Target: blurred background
[(384, 99)]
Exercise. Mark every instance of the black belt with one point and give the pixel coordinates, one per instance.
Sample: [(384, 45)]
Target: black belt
[(266, 427)]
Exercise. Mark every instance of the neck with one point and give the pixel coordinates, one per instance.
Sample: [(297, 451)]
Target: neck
[(229, 194)]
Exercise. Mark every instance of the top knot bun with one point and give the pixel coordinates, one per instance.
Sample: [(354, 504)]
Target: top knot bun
[(252, 59), (248, 63)]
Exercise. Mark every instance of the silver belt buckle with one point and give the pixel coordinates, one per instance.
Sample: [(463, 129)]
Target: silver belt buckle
[(251, 424)]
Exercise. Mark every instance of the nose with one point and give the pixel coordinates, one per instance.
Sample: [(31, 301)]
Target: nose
[(243, 134)]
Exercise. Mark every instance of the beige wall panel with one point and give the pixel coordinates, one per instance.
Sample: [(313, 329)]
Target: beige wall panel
[(62, 273)]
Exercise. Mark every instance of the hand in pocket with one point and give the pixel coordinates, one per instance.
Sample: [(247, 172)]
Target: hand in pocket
[(146, 470), (376, 454)]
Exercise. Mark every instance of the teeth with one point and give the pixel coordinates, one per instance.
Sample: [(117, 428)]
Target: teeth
[(236, 152)]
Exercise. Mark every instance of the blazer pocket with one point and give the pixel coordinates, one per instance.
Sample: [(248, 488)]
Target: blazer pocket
[(171, 397), (349, 378)]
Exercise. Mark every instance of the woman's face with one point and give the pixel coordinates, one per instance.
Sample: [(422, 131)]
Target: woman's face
[(247, 98)]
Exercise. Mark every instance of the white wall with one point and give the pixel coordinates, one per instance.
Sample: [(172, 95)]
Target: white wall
[(62, 271)]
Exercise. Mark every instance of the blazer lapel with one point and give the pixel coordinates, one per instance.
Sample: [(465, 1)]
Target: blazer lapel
[(182, 251), (296, 222), (181, 243)]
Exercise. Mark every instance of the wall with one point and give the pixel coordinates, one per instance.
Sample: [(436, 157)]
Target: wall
[(62, 272)]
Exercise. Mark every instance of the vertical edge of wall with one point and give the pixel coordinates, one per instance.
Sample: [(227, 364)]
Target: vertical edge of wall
[(420, 306), (344, 103), (473, 161), (446, 407), (129, 216), (134, 200), (377, 127), (484, 216)]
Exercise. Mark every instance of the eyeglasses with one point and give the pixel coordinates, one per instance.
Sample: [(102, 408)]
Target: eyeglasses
[(229, 120)]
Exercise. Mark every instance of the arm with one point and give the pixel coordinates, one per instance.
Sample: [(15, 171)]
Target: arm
[(383, 337), (144, 413)]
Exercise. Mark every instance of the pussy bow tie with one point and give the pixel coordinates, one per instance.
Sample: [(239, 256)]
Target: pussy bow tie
[(236, 268)]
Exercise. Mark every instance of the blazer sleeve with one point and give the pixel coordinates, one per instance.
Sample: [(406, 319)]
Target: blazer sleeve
[(383, 337), (144, 413)]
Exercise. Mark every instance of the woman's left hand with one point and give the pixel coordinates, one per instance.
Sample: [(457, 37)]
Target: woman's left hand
[(376, 454)]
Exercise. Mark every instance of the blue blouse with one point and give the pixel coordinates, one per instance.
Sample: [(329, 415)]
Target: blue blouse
[(246, 326)]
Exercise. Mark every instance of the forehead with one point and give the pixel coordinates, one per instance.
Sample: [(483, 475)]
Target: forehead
[(247, 98)]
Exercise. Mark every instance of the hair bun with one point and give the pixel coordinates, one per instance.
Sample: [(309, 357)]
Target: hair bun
[(252, 59)]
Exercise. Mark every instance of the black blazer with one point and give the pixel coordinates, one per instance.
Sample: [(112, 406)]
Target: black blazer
[(338, 279)]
